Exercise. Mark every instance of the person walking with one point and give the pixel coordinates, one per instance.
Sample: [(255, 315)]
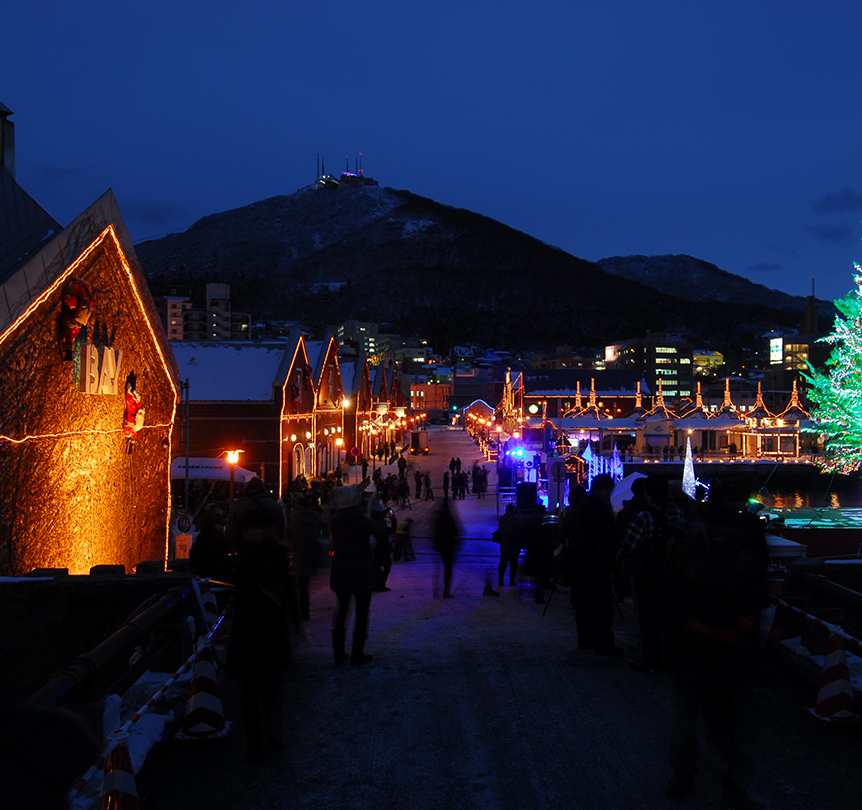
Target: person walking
[(353, 575), (304, 522), (444, 542), (642, 557), (429, 492), (446, 485), (255, 497), (209, 557), (509, 535), (383, 547), (594, 547), (259, 645), (715, 591)]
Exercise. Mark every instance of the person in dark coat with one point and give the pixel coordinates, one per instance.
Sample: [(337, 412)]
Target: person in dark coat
[(577, 495), (353, 573), (383, 547), (594, 547), (642, 556), (509, 535), (259, 645), (445, 541), (539, 557), (304, 522), (715, 592), (255, 497), (209, 558)]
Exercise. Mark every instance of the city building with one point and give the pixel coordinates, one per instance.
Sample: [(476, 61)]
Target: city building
[(430, 397), (172, 305), (706, 362), (366, 336), (217, 321), (562, 357), (656, 357)]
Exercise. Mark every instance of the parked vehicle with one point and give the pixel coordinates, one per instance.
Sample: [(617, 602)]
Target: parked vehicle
[(419, 443)]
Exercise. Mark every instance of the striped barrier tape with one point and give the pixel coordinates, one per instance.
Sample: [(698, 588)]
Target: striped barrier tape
[(833, 628), (99, 764)]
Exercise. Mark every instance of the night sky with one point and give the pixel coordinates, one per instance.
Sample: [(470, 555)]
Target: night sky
[(728, 131)]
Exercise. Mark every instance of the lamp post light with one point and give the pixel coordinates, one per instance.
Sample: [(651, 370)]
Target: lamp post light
[(232, 459), (339, 443)]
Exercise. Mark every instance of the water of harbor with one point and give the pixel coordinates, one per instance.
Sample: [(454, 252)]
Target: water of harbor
[(824, 491)]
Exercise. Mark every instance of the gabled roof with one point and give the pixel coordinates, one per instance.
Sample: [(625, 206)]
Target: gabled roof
[(317, 351), (352, 373), (293, 344), (24, 225), (33, 277)]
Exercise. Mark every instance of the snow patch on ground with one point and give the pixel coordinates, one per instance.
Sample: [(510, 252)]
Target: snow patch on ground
[(411, 227), (145, 733), (854, 663)]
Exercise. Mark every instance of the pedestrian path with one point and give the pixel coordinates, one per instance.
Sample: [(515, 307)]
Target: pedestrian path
[(480, 702)]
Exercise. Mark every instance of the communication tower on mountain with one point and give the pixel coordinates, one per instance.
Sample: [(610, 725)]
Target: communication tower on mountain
[(347, 178)]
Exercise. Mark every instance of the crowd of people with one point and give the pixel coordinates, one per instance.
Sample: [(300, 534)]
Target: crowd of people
[(696, 573), (694, 570)]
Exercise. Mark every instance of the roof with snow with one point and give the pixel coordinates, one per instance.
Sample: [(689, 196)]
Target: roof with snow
[(564, 382), (229, 371)]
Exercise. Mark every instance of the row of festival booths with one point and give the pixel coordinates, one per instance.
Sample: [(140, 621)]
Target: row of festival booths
[(290, 408), (551, 410)]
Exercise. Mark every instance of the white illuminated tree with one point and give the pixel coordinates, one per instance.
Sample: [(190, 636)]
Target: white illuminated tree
[(689, 482)]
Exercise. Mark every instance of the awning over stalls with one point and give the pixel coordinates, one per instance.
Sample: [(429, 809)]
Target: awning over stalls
[(209, 469)]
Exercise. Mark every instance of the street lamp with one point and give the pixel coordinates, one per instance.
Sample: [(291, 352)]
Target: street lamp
[(339, 443), (232, 459)]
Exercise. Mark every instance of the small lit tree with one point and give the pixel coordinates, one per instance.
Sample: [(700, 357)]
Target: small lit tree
[(837, 392)]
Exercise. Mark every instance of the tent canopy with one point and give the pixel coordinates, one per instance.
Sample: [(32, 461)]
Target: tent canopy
[(209, 469)]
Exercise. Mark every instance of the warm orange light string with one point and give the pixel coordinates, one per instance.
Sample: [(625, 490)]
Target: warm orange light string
[(109, 232), (65, 434), (300, 344)]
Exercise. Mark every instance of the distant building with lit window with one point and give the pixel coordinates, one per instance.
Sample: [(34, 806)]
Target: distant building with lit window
[(171, 306), (657, 357), (430, 396), (218, 321), (365, 335), (562, 357), (705, 362)]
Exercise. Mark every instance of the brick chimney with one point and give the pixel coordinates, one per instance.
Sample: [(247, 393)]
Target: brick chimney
[(7, 140)]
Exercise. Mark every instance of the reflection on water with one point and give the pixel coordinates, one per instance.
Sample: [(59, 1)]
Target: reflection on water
[(803, 498)]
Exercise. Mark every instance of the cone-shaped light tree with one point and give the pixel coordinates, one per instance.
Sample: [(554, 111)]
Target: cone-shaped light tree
[(836, 393)]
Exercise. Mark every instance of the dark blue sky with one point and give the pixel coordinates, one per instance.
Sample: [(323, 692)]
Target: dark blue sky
[(729, 131)]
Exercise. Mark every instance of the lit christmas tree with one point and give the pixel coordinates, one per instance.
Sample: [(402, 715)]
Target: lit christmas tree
[(837, 393), (689, 482)]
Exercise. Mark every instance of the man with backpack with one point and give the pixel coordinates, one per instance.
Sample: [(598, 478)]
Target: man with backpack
[(643, 557)]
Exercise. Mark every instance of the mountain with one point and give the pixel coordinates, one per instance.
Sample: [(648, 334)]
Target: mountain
[(322, 256), (703, 282)]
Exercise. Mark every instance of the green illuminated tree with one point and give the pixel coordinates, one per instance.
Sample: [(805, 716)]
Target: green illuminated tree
[(837, 392)]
